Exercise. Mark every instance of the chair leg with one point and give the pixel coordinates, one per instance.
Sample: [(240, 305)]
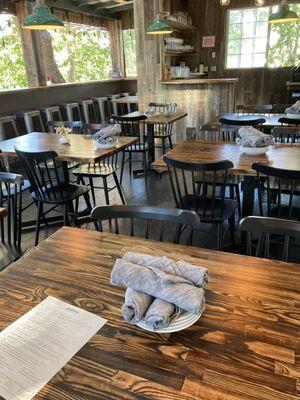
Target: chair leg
[(87, 201), (238, 199), (170, 142), (231, 222), (220, 236), (119, 187), (92, 190), (105, 190), (145, 165), (130, 164), (38, 222), (66, 215), (78, 180), (163, 139), (122, 167)]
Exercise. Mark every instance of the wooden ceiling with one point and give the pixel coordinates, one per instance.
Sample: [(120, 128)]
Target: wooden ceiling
[(102, 8)]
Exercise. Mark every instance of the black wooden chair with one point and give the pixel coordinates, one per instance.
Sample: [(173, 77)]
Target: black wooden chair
[(102, 169), (134, 126), (48, 186), (75, 126), (163, 132), (284, 134), (11, 190), (243, 122), (157, 223), (278, 190), (289, 121), (268, 229), (192, 192)]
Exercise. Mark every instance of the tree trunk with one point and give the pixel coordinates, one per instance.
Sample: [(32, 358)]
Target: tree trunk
[(50, 65)]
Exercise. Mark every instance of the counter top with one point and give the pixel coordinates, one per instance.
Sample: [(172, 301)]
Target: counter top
[(202, 81)]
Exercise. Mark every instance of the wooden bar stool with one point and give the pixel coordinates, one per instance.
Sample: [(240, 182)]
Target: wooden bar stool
[(32, 120), (102, 109), (8, 128), (71, 111), (88, 111)]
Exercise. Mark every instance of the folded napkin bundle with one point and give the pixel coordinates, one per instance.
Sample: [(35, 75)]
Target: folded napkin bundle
[(295, 109), (107, 135), (158, 288), (251, 137)]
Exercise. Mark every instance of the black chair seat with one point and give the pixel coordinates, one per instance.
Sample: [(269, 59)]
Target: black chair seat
[(62, 194), (209, 210), (95, 170)]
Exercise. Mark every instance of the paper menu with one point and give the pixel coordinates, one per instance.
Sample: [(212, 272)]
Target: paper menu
[(36, 346)]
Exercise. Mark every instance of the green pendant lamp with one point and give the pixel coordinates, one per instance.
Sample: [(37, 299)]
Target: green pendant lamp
[(283, 14), (42, 18), (159, 27)]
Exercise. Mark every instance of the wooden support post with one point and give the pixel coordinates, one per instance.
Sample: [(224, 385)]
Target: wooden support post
[(149, 68), (116, 46), (37, 51)]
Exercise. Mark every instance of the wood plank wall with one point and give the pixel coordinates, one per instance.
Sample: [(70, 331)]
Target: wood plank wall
[(257, 85)]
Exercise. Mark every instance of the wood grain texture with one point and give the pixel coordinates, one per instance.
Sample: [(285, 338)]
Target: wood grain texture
[(126, 100), (281, 155), (245, 347), (79, 149), (159, 119)]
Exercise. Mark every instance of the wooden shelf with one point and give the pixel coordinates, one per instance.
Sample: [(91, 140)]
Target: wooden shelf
[(178, 27), (179, 53)]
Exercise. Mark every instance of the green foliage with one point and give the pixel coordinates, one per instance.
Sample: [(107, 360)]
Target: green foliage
[(12, 68), (284, 43), (130, 51), (82, 53)]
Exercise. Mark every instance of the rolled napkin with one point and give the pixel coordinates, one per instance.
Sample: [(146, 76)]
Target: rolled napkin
[(151, 281), (135, 306), (251, 137), (195, 274), (295, 109), (160, 314)]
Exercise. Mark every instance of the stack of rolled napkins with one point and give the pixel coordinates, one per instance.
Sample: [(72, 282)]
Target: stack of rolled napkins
[(251, 137), (158, 288), (107, 135), (295, 109)]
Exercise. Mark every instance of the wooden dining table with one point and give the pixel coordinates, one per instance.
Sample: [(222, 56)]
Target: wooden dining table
[(244, 347), (80, 149), (157, 119), (280, 155)]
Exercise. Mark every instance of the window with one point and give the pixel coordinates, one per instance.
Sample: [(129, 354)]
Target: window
[(12, 68), (82, 52), (252, 42), (130, 52)]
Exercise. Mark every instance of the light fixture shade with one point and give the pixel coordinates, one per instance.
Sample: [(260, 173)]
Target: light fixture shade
[(159, 28), (284, 14), (224, 2), (259, 3), (42, 18)]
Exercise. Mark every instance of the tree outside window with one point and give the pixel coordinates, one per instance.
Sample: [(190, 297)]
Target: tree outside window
[(252, 42), (130, 52), (12, 68)]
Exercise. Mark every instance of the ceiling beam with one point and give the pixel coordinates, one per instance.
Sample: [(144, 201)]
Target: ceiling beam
[(86, 8), (116, 7)]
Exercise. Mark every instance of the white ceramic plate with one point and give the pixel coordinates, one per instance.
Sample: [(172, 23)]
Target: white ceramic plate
[(106, 146), (293, 116), (184, 321), (254, 151)]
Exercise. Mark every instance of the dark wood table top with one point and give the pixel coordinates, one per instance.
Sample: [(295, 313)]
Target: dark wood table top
[(159, 119), (280, 155), (245, 346), (79, 149), (271, 119)]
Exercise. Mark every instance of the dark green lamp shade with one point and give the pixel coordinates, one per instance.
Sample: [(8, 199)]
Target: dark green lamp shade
[(284, 14), (159, 28), (42, 18)]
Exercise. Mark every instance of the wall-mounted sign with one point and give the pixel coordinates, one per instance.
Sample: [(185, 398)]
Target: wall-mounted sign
[(208, 41)]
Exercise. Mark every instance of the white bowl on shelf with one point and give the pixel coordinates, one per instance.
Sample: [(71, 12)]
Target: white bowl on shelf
[(293, 116), (254, 151)]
